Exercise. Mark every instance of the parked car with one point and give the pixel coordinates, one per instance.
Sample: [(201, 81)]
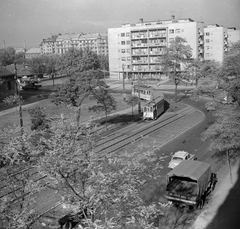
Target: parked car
[(31, 86), (210, 106), (180, 156)]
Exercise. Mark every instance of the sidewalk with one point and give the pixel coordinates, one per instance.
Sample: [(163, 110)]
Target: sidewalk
[(218, 198)]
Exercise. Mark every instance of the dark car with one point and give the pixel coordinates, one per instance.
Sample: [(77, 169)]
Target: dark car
[(31, 86)]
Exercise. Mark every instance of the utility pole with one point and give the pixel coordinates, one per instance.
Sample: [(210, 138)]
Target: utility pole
[(139, 100), (19, 98), (124, 95)]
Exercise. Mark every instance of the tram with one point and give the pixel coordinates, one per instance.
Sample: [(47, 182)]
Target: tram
[(145, 92), (154, 107)]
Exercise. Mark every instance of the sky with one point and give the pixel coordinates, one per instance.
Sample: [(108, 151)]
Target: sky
[(30, 21)]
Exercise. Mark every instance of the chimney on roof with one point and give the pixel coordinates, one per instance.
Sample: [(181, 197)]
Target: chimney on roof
[(141, 20), (172, 17)]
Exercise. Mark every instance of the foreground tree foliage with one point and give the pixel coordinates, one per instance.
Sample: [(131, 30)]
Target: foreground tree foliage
[(9, 56), (19, 187), (106, 187), (224, 134), (176, 58)]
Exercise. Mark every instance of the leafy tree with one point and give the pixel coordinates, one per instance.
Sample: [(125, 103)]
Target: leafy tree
[(18, 187), (198, 69), (105, 101), (37, 65), (77, 89), (177, 56), (109, 186), (9, 56), (77, 60), (38, 118), (133, 101), (225, 132)]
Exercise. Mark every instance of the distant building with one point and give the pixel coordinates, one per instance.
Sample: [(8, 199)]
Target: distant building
[(20, 49), (66, 41), (32, 52), (7, 83), (96, 42), (215, 42), (48, 45), (233, 35), (136, 48)]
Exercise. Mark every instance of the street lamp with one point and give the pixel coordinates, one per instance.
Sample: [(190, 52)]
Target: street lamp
[(124, 95)]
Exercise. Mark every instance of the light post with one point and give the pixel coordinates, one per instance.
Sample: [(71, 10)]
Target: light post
[(124, 95)]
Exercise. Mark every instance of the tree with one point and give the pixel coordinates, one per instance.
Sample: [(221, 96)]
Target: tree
[(77, 60), (105, 101), (37, 65), (177, 56), (198, 69), (109, 186), (77, 89), (132, 100), (38, 118), (19, 187), (224, 134)]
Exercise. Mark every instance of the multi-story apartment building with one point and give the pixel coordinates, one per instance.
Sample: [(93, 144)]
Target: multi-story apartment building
[(215, 42), (96, 42), (59, 44), (66, 41), (48, 45), (136, 48), (233, 35)]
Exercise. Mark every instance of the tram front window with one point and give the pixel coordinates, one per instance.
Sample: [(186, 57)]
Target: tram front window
[(145, 109), (151, 109)]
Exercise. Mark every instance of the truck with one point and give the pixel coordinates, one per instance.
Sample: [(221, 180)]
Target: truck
[(189, 183), (180, 156)]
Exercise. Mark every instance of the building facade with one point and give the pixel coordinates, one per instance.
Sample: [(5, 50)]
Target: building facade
[(135, 49), (32, 52), (48, 45), (215, 42), (233, 35)]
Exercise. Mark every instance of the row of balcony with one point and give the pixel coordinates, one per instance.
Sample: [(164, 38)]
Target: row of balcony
[(149, 44), (139, 36), (156, 61), (148, 53)]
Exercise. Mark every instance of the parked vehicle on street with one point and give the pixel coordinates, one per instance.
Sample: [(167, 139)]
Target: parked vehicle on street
[(180, 156), (189, 183), (154, 107), (210, 106), (31, 86)]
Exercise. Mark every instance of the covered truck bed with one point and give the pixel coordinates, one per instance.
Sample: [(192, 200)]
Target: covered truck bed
[(189, 176)]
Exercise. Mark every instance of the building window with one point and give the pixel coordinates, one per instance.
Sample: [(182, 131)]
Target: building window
[(207, 34), (171, 30), (128, 50), (123, 51), (171, 39), (127, 34), (122, 34), (207, 47), (128, 42), (123, 58), (177, 31), (122, 42), (207, 40), (129, 58)]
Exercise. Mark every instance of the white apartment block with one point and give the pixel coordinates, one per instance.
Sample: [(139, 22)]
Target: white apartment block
[(233, 35), (215, 42), (135, 49)]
